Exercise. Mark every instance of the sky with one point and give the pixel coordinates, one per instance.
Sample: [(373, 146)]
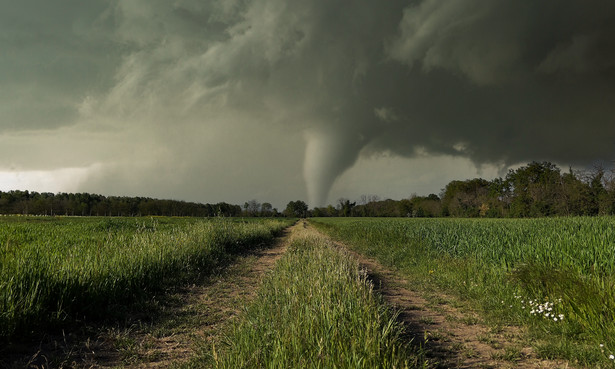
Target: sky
[(278, 100)]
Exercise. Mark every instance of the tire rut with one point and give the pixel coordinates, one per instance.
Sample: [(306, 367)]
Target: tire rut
[(179, 324), (450, 337)]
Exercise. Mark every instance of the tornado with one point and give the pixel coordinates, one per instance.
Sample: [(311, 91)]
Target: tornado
[(328, 154)]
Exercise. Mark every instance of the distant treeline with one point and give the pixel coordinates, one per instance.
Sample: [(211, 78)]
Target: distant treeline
[(85, 204), (534, 190)]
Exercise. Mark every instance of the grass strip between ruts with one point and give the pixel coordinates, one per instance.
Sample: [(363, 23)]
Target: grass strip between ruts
[(316, 309)]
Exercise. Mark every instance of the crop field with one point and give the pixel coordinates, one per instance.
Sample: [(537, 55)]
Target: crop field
[(554, 276), (58, 269)]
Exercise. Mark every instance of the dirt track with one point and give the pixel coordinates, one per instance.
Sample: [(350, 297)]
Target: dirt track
[(452, 338), (192, 316), (172, 328)]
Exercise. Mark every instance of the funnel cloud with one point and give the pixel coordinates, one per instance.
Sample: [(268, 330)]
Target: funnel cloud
[(229, 100)]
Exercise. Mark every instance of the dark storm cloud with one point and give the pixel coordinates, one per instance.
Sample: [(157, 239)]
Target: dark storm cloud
[(496, 81), (511, 81), (51, 55)]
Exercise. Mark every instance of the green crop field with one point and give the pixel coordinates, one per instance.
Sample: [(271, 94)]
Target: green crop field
[(58, 269), (552, 275)]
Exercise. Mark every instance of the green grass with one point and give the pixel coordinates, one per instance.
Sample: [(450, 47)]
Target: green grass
[(316, 309), (58, 269), (500, 265)]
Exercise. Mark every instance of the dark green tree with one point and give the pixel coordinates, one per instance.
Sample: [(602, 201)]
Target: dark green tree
[(266, 209), (535, 190), (344, 207), (296, 209)]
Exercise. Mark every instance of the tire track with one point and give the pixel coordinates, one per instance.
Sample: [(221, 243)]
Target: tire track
[(169, 329), (451, 337)]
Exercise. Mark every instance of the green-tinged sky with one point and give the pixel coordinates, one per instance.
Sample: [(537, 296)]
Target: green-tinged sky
[(277, 100)]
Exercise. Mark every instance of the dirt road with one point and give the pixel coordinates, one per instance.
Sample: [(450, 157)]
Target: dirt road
[(179, 326)]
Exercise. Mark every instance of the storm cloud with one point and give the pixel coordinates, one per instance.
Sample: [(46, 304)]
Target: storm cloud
[(276, 100)]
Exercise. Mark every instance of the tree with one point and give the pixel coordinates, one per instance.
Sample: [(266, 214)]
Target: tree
[(535, 189), (574, 196), (598, 193), (331, 211), (344, 207), (318, 212), (266, 209), (429, 206), (405, 208), (296, 209), (252, 208), (466, 198)]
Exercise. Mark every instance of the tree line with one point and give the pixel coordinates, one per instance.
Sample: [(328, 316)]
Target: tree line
[(538, 189), (294, 209), (85, 204)]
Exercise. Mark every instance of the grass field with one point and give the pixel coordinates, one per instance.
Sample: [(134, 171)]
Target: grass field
[(54, 270), (553, 275)]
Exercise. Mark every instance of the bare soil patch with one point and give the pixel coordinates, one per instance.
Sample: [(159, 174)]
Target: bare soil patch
[(160, 333)]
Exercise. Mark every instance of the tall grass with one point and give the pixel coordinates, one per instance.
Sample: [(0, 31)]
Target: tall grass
[(315, 310), (53, 270), (503, 264)]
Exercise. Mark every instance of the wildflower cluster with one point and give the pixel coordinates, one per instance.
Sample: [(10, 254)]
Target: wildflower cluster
[(544, 309)]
